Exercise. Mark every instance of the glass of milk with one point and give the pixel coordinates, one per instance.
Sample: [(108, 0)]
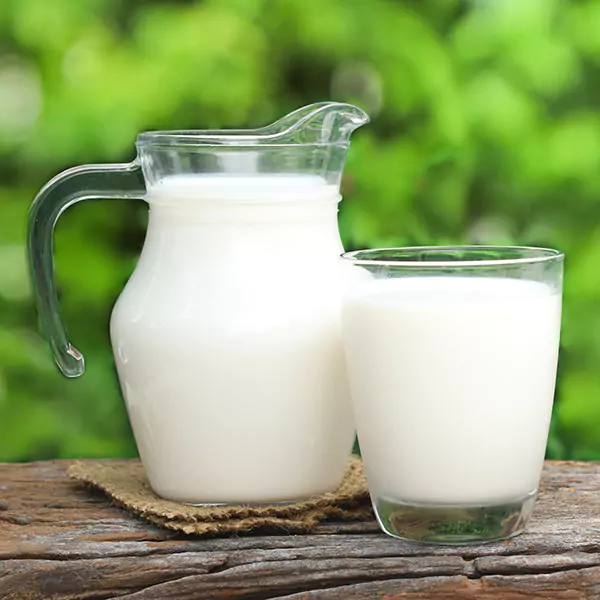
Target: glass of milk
[(452, 356)]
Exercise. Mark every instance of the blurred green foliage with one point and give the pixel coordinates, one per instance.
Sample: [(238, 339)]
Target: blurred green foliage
[(486, 128)]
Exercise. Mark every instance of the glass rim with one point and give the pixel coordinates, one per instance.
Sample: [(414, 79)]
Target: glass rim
[(223, 138), (530, 255)]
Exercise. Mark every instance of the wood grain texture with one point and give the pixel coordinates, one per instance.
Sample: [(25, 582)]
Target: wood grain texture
[(61, 542)]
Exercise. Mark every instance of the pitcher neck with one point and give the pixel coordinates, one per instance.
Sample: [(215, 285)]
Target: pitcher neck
[(240, 212), (303, 229)]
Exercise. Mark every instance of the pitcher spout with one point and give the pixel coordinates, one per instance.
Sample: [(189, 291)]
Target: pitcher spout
[(311, 141), (319, 123)]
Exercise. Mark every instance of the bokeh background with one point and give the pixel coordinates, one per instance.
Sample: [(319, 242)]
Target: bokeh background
[(485, 128)]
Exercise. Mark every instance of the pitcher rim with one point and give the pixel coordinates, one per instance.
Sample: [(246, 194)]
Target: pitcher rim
[(207, 138)]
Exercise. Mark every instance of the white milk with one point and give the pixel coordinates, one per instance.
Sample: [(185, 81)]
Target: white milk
[(452, 383), (228, 340)]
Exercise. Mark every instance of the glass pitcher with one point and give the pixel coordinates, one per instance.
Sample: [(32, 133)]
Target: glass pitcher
[(227, 336)]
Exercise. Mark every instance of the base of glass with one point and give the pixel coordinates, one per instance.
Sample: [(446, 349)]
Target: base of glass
[(453, 524)]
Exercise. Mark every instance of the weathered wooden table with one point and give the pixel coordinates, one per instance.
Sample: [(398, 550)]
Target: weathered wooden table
[(58, 541)]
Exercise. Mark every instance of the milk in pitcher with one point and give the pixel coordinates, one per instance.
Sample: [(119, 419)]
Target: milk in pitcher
[(228, 340)]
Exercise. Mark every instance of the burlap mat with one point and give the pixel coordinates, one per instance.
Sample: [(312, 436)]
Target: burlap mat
[(126, 483)]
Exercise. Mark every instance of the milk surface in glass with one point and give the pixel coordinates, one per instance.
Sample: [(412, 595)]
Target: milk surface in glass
[(452, 382), (228, 340)]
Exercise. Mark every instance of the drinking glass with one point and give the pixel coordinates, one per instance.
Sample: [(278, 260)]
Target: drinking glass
[(452, 356)]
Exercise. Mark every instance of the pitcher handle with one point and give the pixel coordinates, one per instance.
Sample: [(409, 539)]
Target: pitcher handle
[(86, 182)]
